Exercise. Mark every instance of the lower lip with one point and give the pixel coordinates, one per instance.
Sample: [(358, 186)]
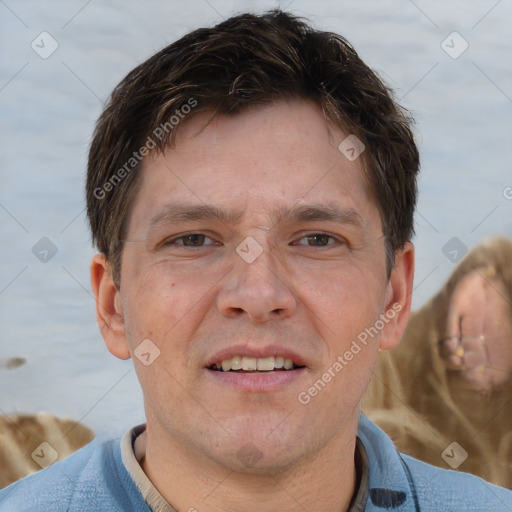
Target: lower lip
[(257, 383)]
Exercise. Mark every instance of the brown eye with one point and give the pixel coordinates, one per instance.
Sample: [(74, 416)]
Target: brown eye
[(191, 240), (317, 240)]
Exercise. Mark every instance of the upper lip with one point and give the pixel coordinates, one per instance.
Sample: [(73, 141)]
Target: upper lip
[(258, 352)]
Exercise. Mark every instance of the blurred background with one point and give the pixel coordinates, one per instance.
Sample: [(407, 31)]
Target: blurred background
[(448, 62)]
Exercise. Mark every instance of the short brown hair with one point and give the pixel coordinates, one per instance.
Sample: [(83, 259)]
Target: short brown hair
[(245, 61)]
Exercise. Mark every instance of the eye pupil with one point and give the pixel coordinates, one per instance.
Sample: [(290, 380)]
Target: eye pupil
[(195, 239), (322, 239)]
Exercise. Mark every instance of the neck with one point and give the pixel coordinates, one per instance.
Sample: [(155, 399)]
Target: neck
[(189, 481)]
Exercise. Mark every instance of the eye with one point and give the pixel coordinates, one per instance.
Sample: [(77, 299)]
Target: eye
[(318, 240), (189, 240)]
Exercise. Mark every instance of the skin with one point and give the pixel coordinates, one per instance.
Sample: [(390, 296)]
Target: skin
[(312, 295)]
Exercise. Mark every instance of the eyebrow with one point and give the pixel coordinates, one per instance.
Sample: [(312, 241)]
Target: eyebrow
[(181, 212), (320, 212)]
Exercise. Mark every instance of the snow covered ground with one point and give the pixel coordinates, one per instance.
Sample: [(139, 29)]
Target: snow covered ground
[(462, 101)]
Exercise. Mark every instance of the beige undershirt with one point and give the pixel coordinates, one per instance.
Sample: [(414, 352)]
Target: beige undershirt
[(133, 450)]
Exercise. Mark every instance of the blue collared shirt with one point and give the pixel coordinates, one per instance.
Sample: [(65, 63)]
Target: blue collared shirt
[(95, 478)]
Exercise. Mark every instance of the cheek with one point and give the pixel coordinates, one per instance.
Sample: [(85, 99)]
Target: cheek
[(345, 309), (164, 299), (346, 297)]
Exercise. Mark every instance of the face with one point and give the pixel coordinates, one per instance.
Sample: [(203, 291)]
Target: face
[(254, 244)]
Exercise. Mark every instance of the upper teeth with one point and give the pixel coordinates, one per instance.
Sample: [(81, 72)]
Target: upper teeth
[(264, 364)]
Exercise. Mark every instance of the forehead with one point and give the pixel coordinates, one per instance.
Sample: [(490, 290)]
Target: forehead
[(266, 159)]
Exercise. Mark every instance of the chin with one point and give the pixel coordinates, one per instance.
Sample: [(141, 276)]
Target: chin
[(264, 449), (255, 459)]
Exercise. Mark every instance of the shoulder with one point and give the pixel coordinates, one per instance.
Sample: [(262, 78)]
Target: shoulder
[(403, 483), (442, 489), (90, 479)]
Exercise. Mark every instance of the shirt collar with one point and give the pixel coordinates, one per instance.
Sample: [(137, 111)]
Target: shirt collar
[(133, 449)]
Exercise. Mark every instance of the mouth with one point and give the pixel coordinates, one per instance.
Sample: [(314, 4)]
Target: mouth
[(255, 365)]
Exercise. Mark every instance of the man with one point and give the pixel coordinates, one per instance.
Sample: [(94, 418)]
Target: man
[(251, 190)]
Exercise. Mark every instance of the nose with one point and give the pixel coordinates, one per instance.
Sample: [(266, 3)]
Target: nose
[(258, 290)]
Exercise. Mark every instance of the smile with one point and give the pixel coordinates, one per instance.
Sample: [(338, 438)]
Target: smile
[(255, 364)]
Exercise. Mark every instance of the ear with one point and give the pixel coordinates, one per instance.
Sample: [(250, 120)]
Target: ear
[(398, 297), (109, 310)]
